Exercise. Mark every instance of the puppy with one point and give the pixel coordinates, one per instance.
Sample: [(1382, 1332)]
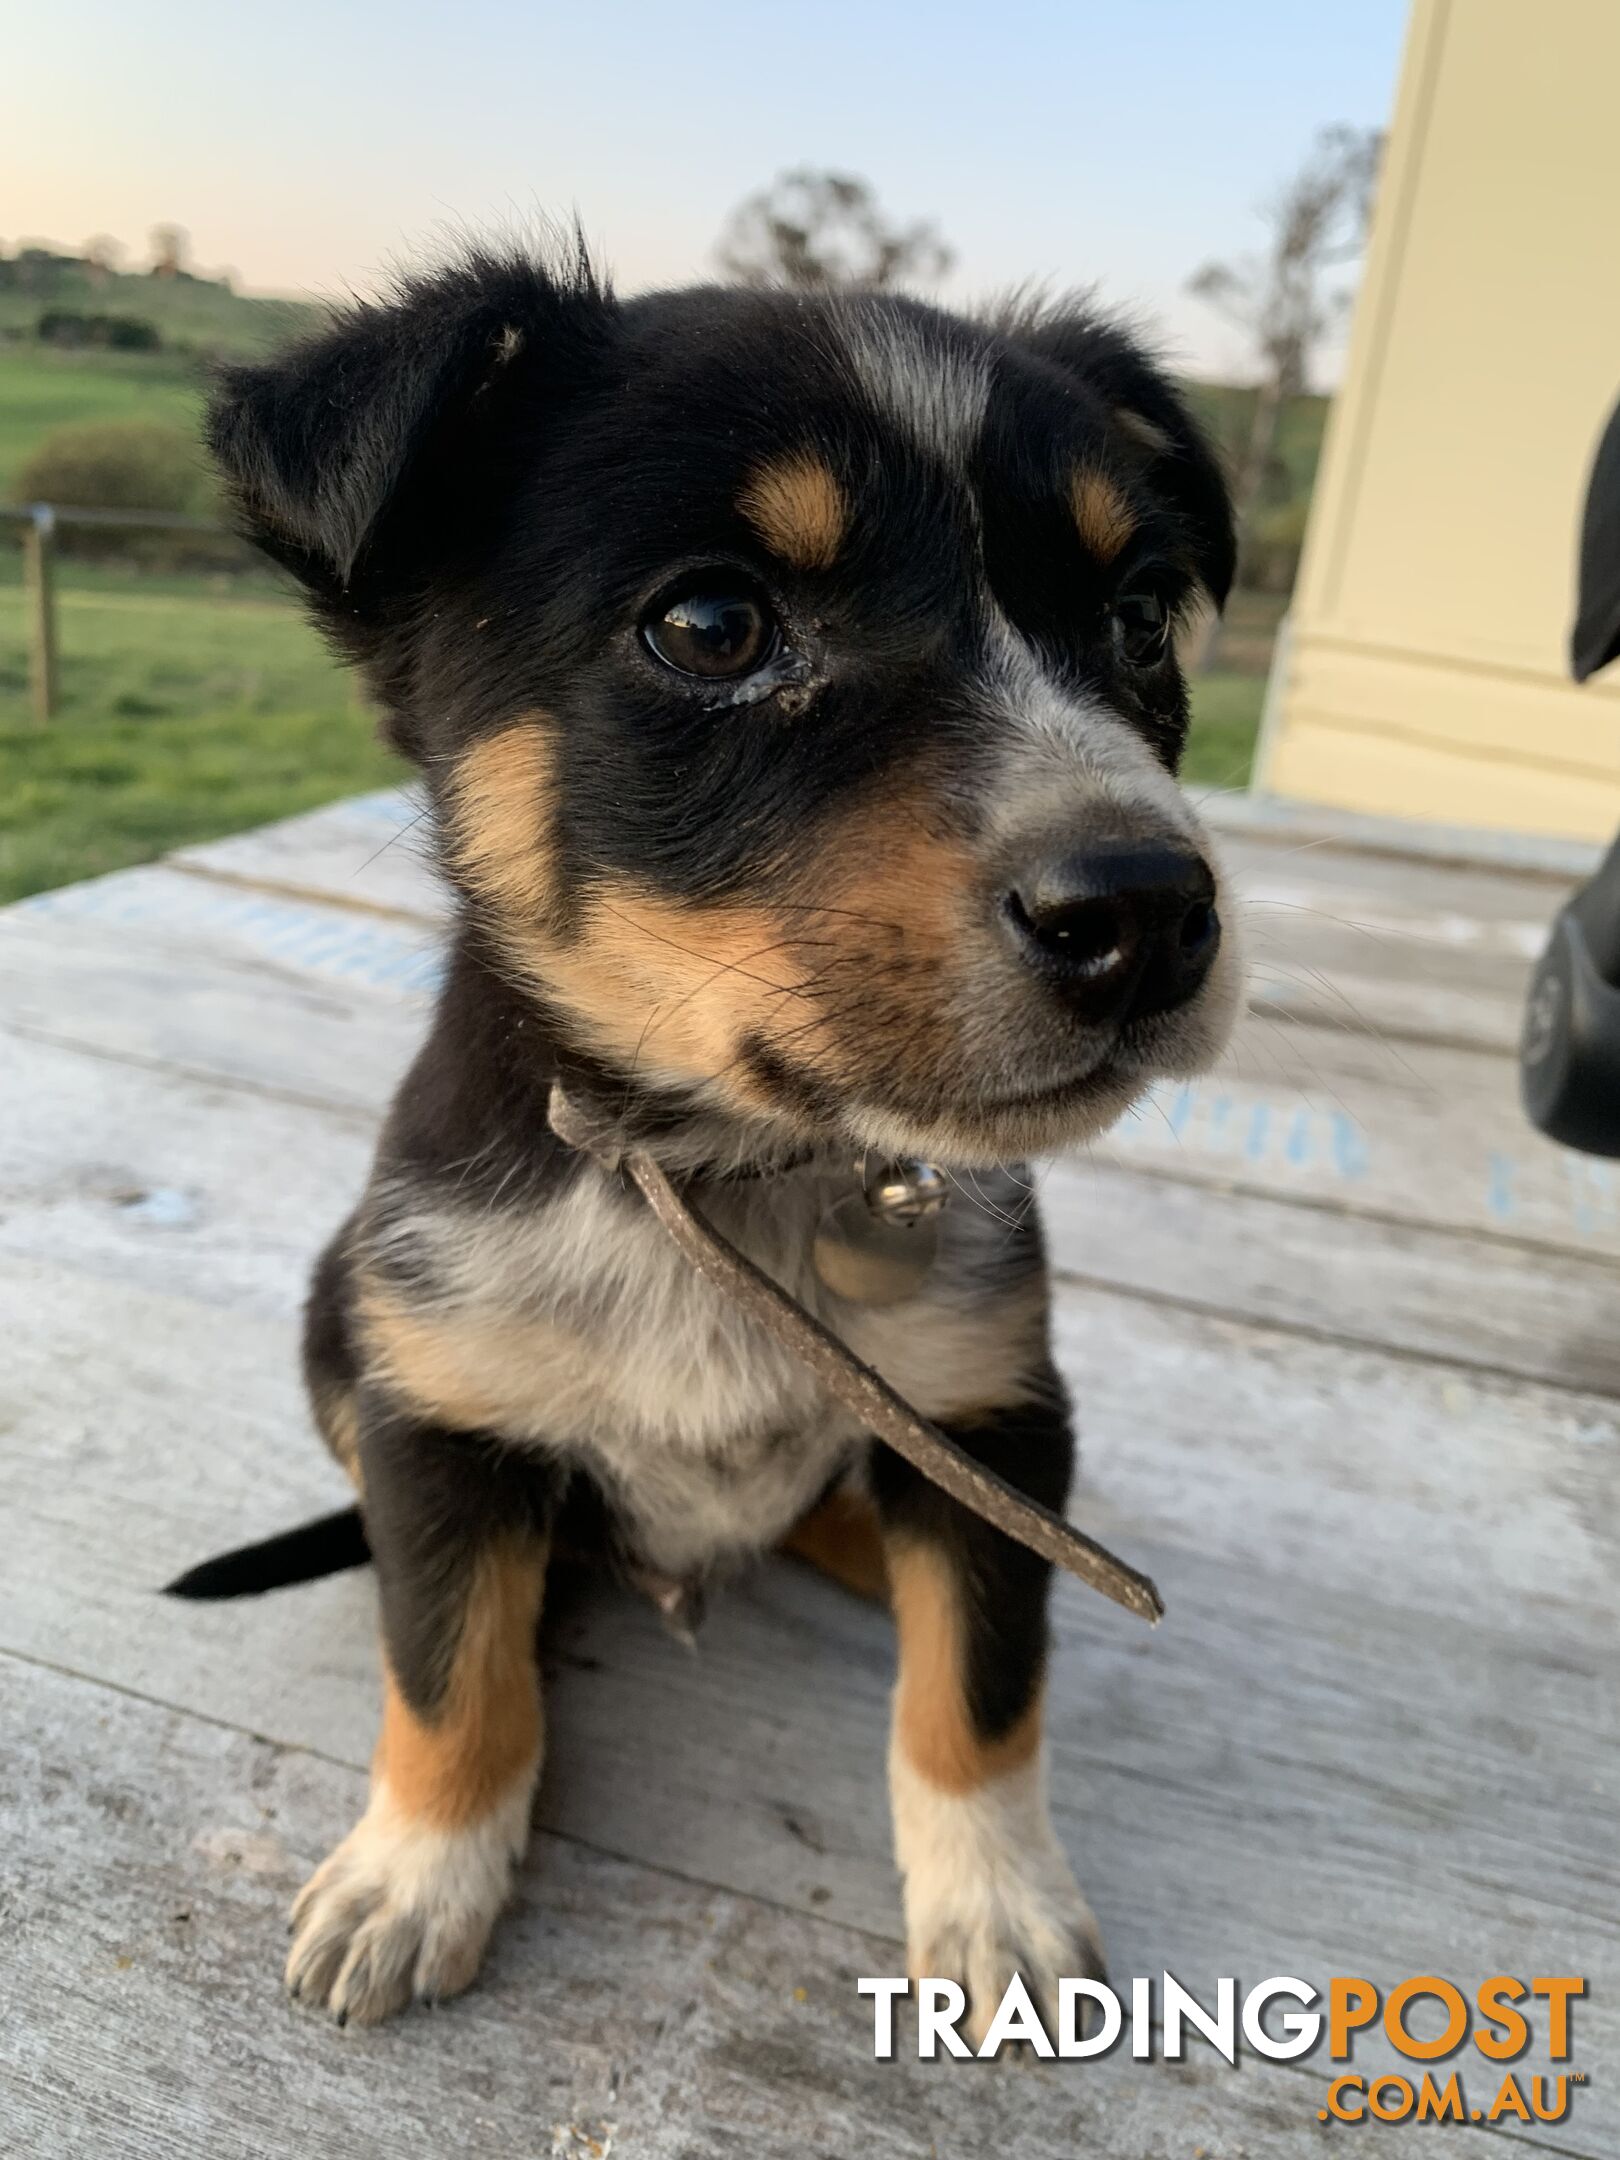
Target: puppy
[(794, 686)]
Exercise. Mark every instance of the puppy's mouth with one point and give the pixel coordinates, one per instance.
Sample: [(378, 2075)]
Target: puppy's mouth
[(972, 1126), (1100, 1077), (1065, 1097)]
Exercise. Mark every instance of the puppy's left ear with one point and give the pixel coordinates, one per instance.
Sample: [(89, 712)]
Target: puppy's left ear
[(359, 457), (1181, 465)]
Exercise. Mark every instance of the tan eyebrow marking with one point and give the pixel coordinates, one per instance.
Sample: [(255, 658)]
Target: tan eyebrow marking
[(1101, 512), (798, 509)]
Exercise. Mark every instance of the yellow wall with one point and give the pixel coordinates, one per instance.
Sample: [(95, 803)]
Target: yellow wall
[(1425, 670)]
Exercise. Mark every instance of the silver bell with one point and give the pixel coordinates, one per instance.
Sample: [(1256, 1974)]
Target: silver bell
[(905, 1192), (878, 1246)]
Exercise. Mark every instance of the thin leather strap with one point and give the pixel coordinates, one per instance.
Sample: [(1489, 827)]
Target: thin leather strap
[(853, 1382)]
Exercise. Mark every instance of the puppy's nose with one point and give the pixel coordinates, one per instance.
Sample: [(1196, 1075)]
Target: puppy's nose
[(1120, 929)]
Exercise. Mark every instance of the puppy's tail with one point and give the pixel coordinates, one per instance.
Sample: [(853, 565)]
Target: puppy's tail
[(324, 1547)]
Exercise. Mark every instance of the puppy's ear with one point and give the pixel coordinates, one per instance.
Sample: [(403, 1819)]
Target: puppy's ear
[(352, 456), (1180, 464)]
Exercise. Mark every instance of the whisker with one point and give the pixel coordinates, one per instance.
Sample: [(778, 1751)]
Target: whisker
[(1365, 1025), (1011, 1222), (977, 1200), (721, 967), (1394, 931), (1291, 1079), (410, 825)]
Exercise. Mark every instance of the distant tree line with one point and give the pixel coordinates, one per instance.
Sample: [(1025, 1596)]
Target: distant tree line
[(33, 267), (58, 278), (114, 333)]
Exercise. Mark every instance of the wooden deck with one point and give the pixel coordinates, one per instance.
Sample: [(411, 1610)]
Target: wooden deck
[(1344, 1338)]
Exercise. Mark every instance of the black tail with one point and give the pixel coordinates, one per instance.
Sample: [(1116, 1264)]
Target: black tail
[(323, 1547)]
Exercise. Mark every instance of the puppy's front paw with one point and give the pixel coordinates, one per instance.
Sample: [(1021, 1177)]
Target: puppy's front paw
[(400, 1911), (988, 1893)]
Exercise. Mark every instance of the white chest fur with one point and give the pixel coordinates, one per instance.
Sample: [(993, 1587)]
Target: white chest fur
[(596, 1340)]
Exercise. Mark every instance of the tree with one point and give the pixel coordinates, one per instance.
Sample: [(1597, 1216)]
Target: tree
[(169, 247), (816, 230), (102, 257), (1283, 300)]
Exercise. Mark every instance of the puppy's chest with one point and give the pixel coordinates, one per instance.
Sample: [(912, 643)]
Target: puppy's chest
[(596, 1340), (578, 1327)]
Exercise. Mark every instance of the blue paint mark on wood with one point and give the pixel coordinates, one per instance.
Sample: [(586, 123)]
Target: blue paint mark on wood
[(1501, 1196), (319, 941)]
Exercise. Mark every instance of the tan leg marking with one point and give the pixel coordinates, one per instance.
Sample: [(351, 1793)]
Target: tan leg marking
[(988, 1891), (798, 509), (452, 1768), (403, 1908), (933, 1724), (841, 1538)]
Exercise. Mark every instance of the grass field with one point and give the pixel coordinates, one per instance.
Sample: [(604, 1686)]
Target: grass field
[(41, 390), (193, 708), (186, 713), (1226, 718)]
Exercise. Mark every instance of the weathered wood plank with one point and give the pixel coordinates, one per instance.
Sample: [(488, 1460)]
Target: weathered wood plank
[(171, 911), (1383, 946), (1413, 1133), (148, 1860), (1276, 821), (1466, 1300), (368, 852), (176, 1183), (326, 1004), (223, 1196), (1455, 907), (153, 967), (1376, 1734)]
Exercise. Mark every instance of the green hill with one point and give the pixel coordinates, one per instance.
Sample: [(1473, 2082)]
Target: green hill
[(189, 313), (72, 373), (41, 389)]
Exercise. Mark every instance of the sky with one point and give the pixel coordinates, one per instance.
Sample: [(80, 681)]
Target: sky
[(311, 148)]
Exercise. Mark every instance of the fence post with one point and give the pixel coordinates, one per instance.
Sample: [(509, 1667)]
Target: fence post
[(39, 566)]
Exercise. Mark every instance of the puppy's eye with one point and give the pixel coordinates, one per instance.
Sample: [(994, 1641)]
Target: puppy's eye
[(1141, 628), (713, 631)]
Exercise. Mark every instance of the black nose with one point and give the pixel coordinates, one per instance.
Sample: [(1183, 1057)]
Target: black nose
[(1121, 929)]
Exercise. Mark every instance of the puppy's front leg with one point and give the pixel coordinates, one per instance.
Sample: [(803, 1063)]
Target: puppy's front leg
[(988, 1891), (404, 1906)]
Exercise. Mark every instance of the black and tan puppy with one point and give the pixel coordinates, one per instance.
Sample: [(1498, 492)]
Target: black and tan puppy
[(793, 682)]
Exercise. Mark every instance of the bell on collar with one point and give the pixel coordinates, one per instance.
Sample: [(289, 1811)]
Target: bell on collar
[(878, 1246)]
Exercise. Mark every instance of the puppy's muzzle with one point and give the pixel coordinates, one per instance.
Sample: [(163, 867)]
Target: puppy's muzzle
[(1120, 929)]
